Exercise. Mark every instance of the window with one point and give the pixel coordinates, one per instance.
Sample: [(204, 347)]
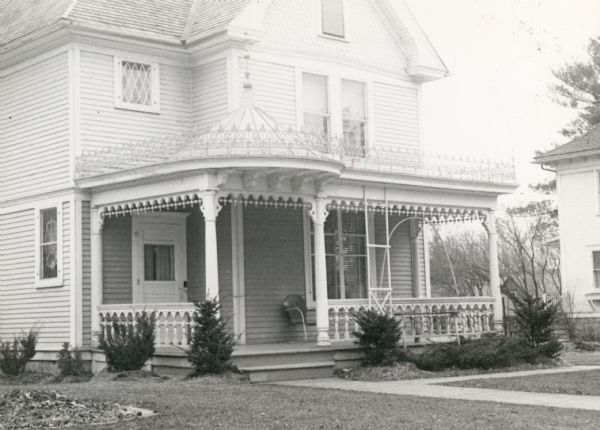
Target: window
[(316, 104), (596, 263), (332, 17), (354, 113), (136, 85), (345, 251), (159, 262), (48, 262)]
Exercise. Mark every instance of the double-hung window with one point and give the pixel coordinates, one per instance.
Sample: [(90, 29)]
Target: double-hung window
[(354, 114), (48, 271), (596, 268), (316, 104), (137, 85), (346, 258), (332, 18)]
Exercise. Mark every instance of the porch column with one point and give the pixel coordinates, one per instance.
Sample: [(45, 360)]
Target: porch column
[(210, 209), (318, 215), (96, 272), (415, 230), (494, 271)]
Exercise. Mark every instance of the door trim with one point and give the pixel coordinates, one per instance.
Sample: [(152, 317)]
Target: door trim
[(137, 222)]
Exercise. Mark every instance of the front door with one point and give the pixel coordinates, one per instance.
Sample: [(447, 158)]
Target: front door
[(159, 266)]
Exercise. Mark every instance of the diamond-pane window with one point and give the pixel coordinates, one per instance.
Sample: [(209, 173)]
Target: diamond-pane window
[(136, 85)]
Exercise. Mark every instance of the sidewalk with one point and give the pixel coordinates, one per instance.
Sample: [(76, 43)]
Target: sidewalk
[(428, 388)]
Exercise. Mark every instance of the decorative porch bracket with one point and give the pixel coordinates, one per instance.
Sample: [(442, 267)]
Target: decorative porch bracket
[(318, 213)]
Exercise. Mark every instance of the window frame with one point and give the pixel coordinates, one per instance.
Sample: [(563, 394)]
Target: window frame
[(58, 280), (154, 106), (321, 22), (303, 111), (365, 120)]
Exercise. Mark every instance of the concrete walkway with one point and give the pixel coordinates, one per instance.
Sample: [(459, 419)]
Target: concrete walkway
[(429, 388)]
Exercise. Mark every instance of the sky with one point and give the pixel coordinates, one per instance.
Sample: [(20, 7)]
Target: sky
[(496, 103)]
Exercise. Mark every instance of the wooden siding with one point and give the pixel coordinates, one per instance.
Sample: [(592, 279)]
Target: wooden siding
[(209, 94), (104, 125), (273, 89), (293, 26), (396, 116), (23, 305), (34, 128), (86, 265), (116, 261), (274, 268)]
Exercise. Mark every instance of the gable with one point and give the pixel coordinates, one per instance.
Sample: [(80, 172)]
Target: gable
[(294, 26)]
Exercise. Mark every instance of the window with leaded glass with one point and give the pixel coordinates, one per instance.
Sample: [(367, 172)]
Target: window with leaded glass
[(333, 17), (596, 262), (345, 253), (136, 85), (316, 104), (48, 272), (354, 114)]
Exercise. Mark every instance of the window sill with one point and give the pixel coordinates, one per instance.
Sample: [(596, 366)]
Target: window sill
[(137, 108), (336, 38), (49, 283)]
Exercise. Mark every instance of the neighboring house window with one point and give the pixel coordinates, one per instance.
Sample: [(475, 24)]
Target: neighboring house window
[(332, 17), (316, 104), (345, 251), (596, 260), (48, 247), (354, 113), (137, 85)]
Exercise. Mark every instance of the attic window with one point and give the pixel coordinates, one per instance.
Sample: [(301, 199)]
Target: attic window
[(137, 85), (333, 17)]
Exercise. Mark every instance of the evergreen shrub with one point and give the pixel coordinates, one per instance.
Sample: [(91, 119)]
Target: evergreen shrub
[(15, 354), (378, 336)]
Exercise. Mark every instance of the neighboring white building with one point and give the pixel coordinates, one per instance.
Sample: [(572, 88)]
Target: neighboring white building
[(577, 166), (156, 153)]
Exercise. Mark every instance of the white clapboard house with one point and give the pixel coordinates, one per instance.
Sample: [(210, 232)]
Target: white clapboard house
[(154, 153), (577, 167)]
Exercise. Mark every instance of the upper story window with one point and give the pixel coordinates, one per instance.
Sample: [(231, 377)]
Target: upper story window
[(137, 85), (316, 104), (48, 271), (332, 17), (354, 113)]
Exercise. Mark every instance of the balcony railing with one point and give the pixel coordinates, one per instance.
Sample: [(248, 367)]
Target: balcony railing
[(273, 143)]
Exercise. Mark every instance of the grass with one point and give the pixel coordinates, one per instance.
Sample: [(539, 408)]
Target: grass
[(586, 383), (213, 403)]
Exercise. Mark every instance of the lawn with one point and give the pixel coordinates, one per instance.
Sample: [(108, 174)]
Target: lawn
[(221, 403), (586, 383)]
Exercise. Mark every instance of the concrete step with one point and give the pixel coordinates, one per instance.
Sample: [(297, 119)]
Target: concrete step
[(282, 358), (289, 372)]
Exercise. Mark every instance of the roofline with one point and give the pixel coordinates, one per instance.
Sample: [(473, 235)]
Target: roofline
[(567, 156)]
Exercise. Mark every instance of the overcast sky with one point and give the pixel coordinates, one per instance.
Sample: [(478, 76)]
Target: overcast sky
[(500, 54)]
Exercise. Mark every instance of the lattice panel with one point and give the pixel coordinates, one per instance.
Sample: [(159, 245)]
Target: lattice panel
[(137, 83)]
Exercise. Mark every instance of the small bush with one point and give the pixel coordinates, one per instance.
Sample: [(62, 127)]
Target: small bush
[(535, 319), (128, 349), (378, 336), (212, 343), (70, 362), (15, 354)]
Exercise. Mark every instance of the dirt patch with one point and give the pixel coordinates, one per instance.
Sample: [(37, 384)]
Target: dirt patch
[(50, 409), (131, 375)]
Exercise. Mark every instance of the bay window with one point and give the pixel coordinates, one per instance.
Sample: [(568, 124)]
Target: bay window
[(316, 104), (354, 114)]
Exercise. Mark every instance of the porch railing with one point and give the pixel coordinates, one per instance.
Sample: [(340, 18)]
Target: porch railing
[(174, 322), (421, 318)]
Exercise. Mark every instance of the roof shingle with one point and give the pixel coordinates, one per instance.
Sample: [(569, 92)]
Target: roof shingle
[(588, 142)]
